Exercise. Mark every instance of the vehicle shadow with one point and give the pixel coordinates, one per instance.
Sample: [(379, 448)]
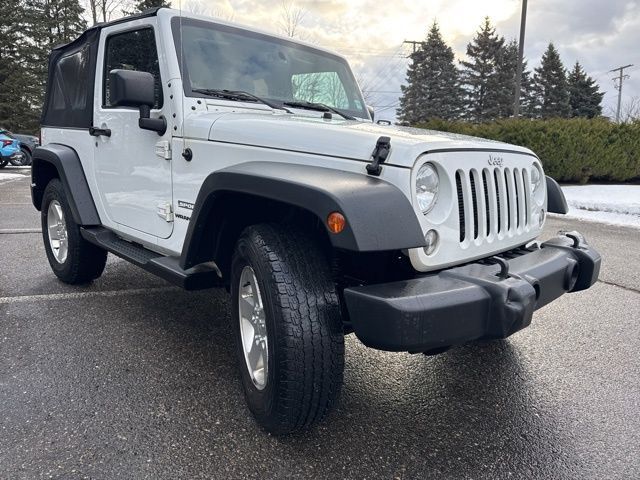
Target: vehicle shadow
[(470, 412)]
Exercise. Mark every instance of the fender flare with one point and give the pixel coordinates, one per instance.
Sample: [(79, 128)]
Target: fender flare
[(66, 163), (379, 216), (556, 203)]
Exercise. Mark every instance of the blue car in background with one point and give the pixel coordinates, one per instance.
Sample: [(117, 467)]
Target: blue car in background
[(9, 147)]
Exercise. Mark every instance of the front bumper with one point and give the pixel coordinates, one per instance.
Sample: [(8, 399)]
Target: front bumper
[(481, 300)]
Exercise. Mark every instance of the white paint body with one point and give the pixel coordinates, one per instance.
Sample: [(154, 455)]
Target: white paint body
[(129, 180)]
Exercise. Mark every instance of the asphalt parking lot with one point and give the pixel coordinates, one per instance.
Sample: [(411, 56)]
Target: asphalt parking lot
[(131, 378)]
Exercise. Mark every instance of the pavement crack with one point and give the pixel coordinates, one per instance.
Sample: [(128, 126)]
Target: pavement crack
[(630, 289)]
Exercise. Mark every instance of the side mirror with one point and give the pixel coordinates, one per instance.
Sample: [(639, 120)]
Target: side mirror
[(371, 112), (130, 88)]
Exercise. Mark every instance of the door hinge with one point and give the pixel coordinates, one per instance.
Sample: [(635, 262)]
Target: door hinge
[(165, 211), (163, 149)]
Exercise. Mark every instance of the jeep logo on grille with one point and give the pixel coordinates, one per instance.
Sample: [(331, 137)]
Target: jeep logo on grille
[(496, 161)]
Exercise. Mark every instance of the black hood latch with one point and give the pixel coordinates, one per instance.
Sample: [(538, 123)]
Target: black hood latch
[(379, 155)]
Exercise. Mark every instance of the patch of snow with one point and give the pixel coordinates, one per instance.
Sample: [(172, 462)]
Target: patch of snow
[(613, 204), (10, 176)]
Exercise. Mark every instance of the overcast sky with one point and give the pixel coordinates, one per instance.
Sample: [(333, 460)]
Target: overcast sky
[(601, 34)]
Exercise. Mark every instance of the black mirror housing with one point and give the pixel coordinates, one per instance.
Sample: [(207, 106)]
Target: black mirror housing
[(130, 88)]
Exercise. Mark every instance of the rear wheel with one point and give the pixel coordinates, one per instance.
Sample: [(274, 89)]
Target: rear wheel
[(72, 258), (289, 336), (3, 162)]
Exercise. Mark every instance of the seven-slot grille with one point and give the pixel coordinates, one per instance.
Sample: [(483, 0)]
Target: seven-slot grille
[(493, 202)]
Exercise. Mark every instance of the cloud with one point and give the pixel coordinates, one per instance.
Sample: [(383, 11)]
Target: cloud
[(601, 34)]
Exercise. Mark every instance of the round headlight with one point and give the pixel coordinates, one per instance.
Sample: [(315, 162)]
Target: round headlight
[(536, 178), (427, 187)]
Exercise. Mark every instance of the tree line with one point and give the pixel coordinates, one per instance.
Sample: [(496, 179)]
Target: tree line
[(29, 29), (482, 88)]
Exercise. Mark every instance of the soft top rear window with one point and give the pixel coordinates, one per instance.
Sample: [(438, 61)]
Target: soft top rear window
[(69, 100)]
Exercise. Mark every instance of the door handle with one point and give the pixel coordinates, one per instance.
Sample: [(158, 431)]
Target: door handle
[(99, 132)]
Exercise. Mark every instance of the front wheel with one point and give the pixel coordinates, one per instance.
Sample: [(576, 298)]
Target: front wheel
[(289, 336), (3, 162)]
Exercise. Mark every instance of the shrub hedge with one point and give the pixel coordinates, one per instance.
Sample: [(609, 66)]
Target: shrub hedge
[(571, 150)]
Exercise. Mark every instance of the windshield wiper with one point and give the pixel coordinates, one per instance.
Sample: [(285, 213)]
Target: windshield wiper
[(318, 106), (238, 96)]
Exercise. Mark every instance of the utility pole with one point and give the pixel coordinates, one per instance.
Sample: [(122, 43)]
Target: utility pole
[(414, 43), (620, 79), (523, 23)]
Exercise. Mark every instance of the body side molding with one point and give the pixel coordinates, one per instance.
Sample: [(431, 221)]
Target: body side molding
[(67, 164), (379, 216)]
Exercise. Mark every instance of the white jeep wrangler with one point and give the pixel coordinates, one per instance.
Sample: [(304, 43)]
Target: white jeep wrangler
[(216, 155)]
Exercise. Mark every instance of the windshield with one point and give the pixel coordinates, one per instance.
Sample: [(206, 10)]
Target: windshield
[(219, 57)]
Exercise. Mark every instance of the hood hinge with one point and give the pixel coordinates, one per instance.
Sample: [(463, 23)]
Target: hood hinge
[(379, 155)]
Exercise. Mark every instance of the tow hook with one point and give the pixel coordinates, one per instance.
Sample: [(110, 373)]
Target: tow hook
[(379, 155), (578, 238), (504, 266)]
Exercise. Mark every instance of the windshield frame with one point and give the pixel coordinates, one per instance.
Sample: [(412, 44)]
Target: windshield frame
[(177, 22)]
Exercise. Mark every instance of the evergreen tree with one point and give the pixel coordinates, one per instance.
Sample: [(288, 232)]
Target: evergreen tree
[(15, 110), (585, 97), (480, 74), (552, 93), (409, 112), (503, 94), (433, 88), (47, 23), (142, 5)]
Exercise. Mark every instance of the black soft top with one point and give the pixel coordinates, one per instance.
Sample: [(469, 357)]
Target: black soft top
[(68, 101), (151, 12)]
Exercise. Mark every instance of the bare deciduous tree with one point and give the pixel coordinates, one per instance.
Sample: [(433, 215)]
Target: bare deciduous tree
[(291, 17), (629, 112), (104, 10)]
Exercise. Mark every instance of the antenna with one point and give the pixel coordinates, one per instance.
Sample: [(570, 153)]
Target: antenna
[(182, 75)]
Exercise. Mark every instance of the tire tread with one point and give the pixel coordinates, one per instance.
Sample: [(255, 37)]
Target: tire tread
[(310, 338)]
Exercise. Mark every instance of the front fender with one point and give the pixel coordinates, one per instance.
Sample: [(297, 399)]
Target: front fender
[(379, 216)]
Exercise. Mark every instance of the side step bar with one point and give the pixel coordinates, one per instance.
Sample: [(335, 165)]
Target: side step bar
[(168, 268)]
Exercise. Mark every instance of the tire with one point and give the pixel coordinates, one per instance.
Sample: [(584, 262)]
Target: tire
[(82, 261), (3, 162), (24, 161), (303, 326)]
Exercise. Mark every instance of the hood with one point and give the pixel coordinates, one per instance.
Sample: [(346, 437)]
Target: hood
[(339, 138)]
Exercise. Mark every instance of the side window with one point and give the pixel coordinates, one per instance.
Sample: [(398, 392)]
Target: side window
[(135, 50), (320, 87), (69, 103)]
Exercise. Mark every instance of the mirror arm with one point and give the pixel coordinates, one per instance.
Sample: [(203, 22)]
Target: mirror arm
[(158, 125)]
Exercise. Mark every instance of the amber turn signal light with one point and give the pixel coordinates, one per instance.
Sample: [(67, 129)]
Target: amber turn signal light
[(336, 222)]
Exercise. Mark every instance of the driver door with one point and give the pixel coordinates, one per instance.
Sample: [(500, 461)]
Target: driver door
[(134, 183)]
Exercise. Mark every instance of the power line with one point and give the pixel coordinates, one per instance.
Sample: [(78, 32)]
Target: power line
[(414, 43), (384, 91), (620, 79)]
